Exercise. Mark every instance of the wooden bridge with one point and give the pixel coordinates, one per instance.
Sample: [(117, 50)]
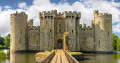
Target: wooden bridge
[(59, 57)]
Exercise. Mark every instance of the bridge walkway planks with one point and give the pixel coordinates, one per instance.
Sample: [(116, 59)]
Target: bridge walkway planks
[(59, 57)]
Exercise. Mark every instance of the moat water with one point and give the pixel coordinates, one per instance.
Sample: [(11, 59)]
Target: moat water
[(30, 57)]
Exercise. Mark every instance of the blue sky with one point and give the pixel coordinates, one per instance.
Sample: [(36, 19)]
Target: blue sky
[(33, 7), (13, 3)]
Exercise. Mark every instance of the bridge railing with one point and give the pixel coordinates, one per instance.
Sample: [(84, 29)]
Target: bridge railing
[(48, 58), (70, 58)]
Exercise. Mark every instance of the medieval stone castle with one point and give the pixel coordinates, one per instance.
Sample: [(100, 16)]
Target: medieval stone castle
[(61, 31)]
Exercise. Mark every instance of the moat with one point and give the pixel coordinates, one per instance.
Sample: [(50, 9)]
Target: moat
[(30, 57)]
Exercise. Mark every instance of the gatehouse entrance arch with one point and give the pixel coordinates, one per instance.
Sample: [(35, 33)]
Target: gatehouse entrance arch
[(60, 44)]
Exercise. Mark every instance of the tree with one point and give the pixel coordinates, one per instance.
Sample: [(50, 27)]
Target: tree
[(115, 41), (1, 41), (7, 41), (118, 44)]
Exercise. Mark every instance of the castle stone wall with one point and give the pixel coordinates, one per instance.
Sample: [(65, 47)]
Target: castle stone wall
[(47, 31), (53, 25), (71, 19), (18, 31), (86, 38), (103, 31), (33, 38)]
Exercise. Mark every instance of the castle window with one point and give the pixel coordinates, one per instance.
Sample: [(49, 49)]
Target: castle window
[(99, 43), (46, 21), (45, 16), (108, 33), (69, 16), (94, 46), (72, 31), (50, 30), (20, 40), (59, 30), (34, 37), (48, 16), (41, 17), (66, 16)]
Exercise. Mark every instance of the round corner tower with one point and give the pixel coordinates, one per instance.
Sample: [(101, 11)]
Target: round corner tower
[(103, 31), (18, 32)]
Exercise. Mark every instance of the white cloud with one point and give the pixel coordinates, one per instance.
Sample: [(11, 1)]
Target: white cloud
[(116, 28), (85, 7), (0, 8), (7, 7), (5, 22), (22, 5)]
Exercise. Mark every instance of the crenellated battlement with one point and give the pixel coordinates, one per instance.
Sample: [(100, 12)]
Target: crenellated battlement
[(97, 14), (18, 14), (46, 14), (85, 27), (88, 27), (72, 14), (103, 14), (33, 27), (30, 22), (53, 13), (60, 14)]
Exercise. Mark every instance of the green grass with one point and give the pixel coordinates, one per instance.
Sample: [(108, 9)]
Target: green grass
[(48, 52), (73, 52), (1, 51)]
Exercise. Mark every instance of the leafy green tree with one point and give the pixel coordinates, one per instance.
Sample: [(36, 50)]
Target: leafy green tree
[(114, 40), (1, 41), (7, 41), (118, 44)]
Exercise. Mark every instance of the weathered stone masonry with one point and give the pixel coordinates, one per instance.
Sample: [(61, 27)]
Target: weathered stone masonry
[(50, 34)]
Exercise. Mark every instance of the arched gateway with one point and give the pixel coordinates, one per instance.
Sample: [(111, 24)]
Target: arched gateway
[(60, 44)]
